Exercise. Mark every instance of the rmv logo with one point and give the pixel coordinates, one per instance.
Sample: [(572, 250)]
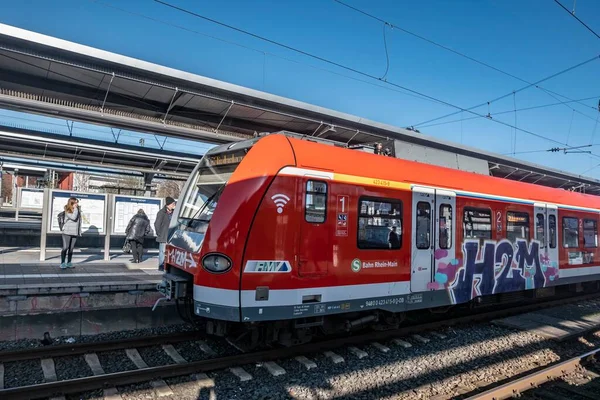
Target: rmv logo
[(268, 266)]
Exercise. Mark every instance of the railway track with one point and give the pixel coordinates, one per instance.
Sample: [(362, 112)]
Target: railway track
[(180, 366), (578, 377), (63, 350)]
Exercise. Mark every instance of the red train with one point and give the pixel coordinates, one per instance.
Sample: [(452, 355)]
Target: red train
[(281, 237)]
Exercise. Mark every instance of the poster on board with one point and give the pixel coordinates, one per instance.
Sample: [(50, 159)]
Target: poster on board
[(126, 207), (93, 210), (31, 198)]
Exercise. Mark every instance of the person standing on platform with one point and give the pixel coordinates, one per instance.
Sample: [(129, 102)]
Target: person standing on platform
[(137, 229), (161, 227), (70, 231)]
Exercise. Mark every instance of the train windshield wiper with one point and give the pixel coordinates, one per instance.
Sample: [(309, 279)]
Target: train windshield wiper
[(206, 203)]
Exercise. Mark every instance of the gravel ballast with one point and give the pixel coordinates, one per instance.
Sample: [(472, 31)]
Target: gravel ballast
[(116, 361), (22, 344), (154, 356), (469, 359), (23, 373), (71, 367)]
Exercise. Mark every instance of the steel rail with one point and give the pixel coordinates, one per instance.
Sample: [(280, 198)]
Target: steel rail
[(82, 348), (141, 375), (533, 380)]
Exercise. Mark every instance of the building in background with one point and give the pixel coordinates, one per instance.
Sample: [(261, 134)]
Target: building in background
[(14, 176)]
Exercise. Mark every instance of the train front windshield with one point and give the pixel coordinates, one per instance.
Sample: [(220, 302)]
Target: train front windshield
[(205, 188)]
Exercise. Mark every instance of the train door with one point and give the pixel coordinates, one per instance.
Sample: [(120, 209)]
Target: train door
[(445, 232), (315, 250), (546, 217), (423, 238)]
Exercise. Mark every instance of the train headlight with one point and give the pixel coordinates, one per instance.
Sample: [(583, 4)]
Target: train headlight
[(216, 263)]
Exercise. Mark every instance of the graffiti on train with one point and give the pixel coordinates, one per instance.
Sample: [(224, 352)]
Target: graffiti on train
[(495, 267)]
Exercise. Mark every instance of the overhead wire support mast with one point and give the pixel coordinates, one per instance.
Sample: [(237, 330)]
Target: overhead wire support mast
[(351, 69)]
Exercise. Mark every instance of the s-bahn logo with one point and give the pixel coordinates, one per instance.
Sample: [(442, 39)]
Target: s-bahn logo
[(280, 201), (268, 266), (356, 264)]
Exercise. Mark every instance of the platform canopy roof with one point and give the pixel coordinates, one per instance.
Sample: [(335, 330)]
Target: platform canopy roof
[(50, 76), (46, 149)]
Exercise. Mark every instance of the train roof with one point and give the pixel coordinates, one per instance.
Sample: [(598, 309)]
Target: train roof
[(365, 165)]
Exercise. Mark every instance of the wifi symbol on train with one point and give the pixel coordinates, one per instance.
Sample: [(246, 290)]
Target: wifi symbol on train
[(280, 201)]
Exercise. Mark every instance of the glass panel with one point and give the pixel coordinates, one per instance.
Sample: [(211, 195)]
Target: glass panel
[(590, 233), (380, 224), (316, 202), (477, 224), (552, 228), (570, 232), (517, 226), (316, 187), (445, 228), (206, 185), (540, 229), (423, 232)]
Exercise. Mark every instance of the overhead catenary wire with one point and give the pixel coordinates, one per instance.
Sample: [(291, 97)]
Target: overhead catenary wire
[(509, 111), (352, 69), (572, 13), (430, 41), (261, 52), (571, 68), (387, 55)]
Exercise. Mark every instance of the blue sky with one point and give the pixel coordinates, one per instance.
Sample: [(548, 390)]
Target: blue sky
[(531, 40)]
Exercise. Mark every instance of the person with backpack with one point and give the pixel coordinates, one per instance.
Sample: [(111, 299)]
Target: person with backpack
[(137, 229), (70, 225)]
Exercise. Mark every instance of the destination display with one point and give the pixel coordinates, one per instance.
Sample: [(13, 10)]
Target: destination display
[(126, 207), (31, 198), (93, 211)]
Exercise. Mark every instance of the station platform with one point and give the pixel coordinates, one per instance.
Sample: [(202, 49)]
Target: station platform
[(95, 296), (21, 272)]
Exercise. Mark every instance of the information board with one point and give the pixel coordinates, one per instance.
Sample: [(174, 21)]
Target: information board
[(93, 211), (31, 198), (127, 206)]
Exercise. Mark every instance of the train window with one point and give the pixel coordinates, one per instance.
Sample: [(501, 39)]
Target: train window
[(379, 224), (590, 233), (570, 232), (517, 226), (477, 223), (540, 229), (423, 232), (316, 202), (552, 226), (445, 228)]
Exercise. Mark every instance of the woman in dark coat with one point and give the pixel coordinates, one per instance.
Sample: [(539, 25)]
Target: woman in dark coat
[(137, 229)]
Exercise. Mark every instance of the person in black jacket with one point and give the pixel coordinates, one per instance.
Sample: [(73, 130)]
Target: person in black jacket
[(161, 226), (137, 229)]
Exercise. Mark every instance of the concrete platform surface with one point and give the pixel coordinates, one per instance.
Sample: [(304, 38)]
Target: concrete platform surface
[(559, 323), (95, 296), (21, 272)]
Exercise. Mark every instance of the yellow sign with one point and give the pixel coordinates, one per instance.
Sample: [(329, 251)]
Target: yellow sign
[(222, 159)]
